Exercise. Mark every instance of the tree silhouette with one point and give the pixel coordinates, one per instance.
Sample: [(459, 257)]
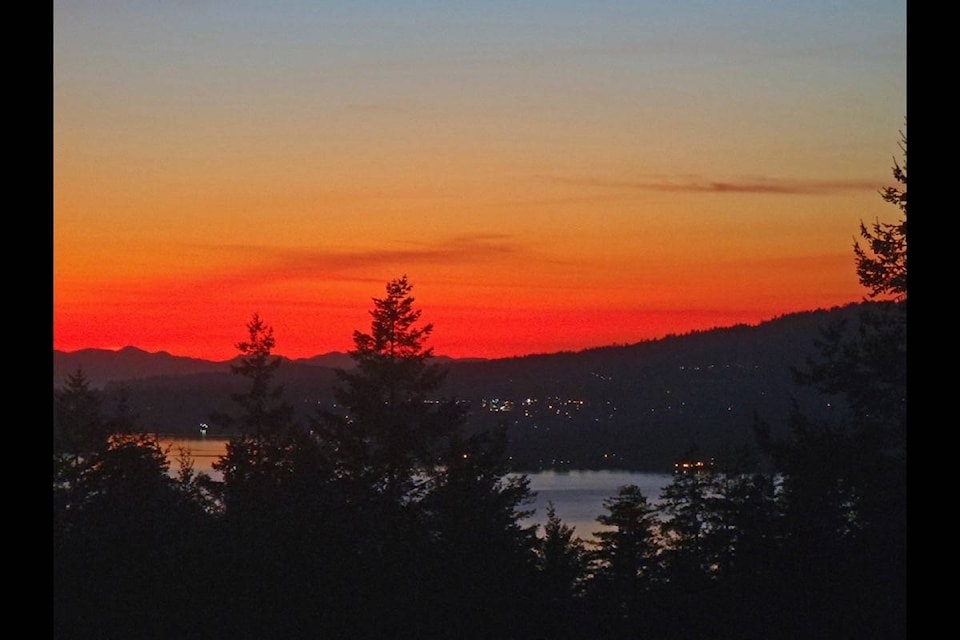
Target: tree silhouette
[(430, 535), (127, 552), (864, 366), (562, 559), (389, 423), (276, 497), (686, 509), (625, 563), (562, 571), (882, 262), (264, 411), (80, 431), (745, 525), (482, 552), (843, 488), (257, 461), (79, 425), (256, 457)]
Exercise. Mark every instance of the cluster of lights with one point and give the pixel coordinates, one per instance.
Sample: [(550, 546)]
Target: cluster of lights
[(497, 405), (695, 466)]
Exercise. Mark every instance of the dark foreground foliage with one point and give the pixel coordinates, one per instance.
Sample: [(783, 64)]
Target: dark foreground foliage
[(141, 554)]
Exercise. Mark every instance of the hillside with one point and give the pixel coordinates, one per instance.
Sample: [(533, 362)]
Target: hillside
[(636, 406)]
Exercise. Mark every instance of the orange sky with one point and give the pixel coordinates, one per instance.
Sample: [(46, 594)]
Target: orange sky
[(597, 175)]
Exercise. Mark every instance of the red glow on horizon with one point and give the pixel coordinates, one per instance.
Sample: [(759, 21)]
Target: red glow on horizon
[(457, 334), (485, 318)]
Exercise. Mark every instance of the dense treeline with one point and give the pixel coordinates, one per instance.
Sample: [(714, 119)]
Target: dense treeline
[(387, 516)]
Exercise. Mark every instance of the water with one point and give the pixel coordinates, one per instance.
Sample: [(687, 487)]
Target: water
[(203, 451), (577, 496)]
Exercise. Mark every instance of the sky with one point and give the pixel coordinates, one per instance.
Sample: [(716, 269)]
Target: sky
[(550, 176)]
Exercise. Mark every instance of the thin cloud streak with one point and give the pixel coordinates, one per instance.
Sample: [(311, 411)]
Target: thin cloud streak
[(265, 264), (764, 186)]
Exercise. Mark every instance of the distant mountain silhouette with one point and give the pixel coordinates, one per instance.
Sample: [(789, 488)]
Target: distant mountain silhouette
[(635, 406), (103, 366)]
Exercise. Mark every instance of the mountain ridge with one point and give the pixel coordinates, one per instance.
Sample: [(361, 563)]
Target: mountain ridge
[(103, 366)]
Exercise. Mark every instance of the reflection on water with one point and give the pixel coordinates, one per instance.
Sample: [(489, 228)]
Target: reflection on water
[(577, 496), (203, 451)]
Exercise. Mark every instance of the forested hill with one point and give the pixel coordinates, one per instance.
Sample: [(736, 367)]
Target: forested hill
[(637, 406), (642, 406)]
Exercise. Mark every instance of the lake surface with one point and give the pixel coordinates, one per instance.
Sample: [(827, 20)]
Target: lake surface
[(576, 495)]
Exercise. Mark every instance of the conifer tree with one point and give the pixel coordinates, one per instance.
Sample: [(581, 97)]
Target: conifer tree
[(485, 553), (843, 489), (80, 431), (625, 563), (257, 458), (562, 559), (125, 537), (390, 423), (687, 520), (263, 410), (274, 500), (79, 425), (882, 263), (436, 542), (562, 572), (865, 365)]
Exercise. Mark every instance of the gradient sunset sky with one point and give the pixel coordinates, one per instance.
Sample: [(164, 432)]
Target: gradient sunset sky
[(549, 175)]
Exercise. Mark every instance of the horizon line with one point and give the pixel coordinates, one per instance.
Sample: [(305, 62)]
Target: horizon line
[(489, 358)]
